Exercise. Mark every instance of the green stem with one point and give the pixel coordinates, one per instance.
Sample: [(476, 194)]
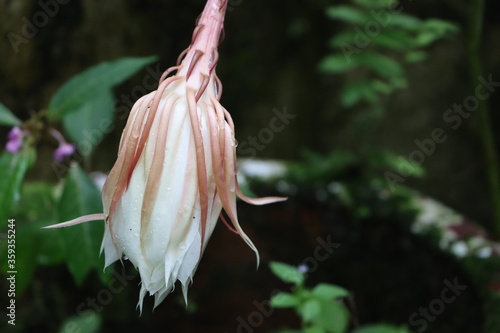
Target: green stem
[(483, 111)]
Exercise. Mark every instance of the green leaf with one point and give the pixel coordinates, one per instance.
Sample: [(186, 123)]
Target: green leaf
[(344, 37), (88, 125), (284, 300), (337, 63), (381, 328), (381, 64), (329, 291), (393, 40), (347, 14), (82, 242), (384, 160), (441, 27), (351, 95), (35, 210), (406, 22), (310, 309), (287, 273), (415, 56), (333, 317), (38, 208), (27, 242), (358, 91), (376, 4), (13, 168), (7, 117), (313, 329), (83, 87), (86, 322), (425, 38)]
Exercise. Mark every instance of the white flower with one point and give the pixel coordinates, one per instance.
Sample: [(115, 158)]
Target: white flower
[(175, 171)]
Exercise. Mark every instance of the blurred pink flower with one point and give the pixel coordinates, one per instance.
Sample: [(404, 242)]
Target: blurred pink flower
[(15, 140), (65, 149)]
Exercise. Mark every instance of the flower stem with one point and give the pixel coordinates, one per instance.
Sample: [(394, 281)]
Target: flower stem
[(202, 53), (484, 120)]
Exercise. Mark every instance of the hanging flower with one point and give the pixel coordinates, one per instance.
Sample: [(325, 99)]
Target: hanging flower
[(176, 170), (64, 149)]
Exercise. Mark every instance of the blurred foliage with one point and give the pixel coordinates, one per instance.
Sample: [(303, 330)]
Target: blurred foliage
[(379, 41), (79, 106), (364, 211), (87, 322), (7, 117), (320, 308), (370, 162), (85, 103)]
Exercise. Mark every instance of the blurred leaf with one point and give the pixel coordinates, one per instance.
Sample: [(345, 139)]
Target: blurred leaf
[(344, 37), (358, 91), (333, 317), (387, 87), (347, 14), (26, 250), (384, 160), (377, 4), (407, 22), (425, 38), (441, 27), (317, 168), (87, 322), (7, 117), (287, 273), (35, 209), (97, 80), (310, 310), (336, 63), (284, 300), (313, 329), (13, 168), (351, 94), (415, 56), (88, 125), (82, 242), (382, 86), (381, 64), (329, 291), (381, 328), (392, 39), (433, 30)]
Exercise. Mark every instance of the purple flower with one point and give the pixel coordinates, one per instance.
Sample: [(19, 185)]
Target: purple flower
[(15, 140), (303, 268), (64, 150)]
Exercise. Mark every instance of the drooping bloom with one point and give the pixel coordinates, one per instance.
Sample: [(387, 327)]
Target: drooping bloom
[(175, 171), (64, 149)]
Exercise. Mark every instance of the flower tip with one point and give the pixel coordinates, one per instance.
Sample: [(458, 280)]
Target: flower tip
[(64, 150), (78, 220)]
